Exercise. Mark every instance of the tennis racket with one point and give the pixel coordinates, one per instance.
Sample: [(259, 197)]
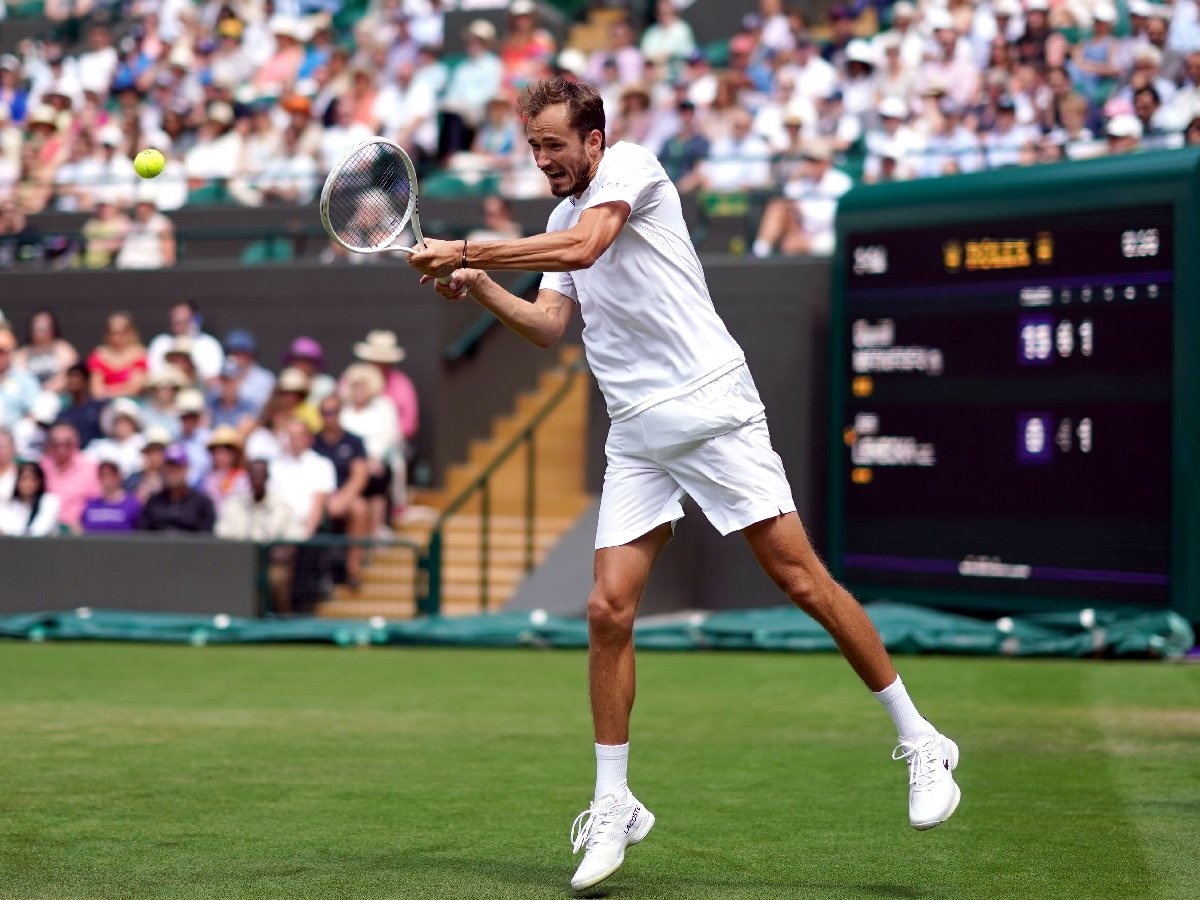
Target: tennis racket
[(370, 197)]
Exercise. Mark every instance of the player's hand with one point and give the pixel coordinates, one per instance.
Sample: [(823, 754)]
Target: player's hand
[(462, 282), (438, 258)]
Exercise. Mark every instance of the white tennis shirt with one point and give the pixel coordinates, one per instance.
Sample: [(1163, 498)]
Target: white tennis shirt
[(650, 330)]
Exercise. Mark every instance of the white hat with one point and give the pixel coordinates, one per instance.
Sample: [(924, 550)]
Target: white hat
[(45, 408), (522, 8), (1006, 8), (892, 108), (573, 60), (1037, 5), (483, 30), (860, 51), (1124, 125), (1142, 8), (380, 346), (904, 8), (1148, 52), (1104, 12), (291, 380), (44, 115), (156, 435), (121, 406), (939, 19), (181, 56), (189, 400)]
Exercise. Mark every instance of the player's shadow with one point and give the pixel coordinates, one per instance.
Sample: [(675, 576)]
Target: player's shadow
[(633, 887)]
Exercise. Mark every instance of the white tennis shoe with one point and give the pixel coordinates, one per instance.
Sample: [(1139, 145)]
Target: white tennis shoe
[(604, 830), (932, 794)]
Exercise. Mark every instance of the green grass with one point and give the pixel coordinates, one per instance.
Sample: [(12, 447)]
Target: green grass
[(132, 771)]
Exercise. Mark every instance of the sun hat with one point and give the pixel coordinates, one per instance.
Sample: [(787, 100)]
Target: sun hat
[(380, 346)]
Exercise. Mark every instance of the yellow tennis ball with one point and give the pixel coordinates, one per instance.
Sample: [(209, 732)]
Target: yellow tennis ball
[(149, 163)]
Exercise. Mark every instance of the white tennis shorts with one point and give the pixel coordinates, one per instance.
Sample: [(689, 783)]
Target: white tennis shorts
[(711, 444)]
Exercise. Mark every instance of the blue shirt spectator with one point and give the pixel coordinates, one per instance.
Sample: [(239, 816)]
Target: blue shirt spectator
[(18, 389)]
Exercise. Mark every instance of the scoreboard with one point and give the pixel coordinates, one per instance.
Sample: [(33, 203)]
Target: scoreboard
[(1014, 418)]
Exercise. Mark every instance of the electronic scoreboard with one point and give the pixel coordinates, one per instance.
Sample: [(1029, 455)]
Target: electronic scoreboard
[(1014, 419)]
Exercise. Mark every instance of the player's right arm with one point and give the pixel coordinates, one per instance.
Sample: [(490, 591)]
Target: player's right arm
[(542, 322)]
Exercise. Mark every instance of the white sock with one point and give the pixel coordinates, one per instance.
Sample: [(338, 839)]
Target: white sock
[(760, 248), (909, 723), (612, 767)]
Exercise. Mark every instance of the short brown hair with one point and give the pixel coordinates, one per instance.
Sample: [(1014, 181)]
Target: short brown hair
[(585, 108)]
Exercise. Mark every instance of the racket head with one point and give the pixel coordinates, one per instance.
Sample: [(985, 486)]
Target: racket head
[(369, 197)]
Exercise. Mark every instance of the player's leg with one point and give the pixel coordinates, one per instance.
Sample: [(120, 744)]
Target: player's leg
[(738, 480), (639, 502), (615, 819)]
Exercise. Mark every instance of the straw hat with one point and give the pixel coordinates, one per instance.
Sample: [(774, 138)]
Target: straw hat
[(380, 346), (225, 436), (122, 406)]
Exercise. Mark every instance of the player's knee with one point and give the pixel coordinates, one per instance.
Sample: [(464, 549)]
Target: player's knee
[(811, 592), (609, 613)]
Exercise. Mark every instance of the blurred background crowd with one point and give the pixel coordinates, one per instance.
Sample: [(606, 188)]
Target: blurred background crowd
[(253, 100), (189, 433)]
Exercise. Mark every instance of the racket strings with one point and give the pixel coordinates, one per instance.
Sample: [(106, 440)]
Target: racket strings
[(370, 199)]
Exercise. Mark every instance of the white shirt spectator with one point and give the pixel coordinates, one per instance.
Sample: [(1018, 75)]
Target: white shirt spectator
[(377, 425), (814, 78), (411, 109), (817, 202), (216, 159), (15, 517), (96, 69), (127, 454), (143, 245), (340, 138), (737, 164), (297, 480), (664, 42)]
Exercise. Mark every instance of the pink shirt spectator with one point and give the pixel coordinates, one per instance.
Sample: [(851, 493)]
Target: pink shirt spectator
[(74, 484), (399, 389)]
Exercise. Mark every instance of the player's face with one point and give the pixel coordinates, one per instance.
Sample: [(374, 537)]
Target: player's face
[(568, 161)]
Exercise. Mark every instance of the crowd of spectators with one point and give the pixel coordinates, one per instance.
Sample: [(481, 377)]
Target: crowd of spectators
[(191, 434), (252, 100)]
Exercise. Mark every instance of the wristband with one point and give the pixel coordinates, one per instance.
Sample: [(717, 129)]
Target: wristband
[(464, 256)]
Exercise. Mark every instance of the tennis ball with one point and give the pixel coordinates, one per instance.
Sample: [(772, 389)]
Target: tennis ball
[(149, 163)]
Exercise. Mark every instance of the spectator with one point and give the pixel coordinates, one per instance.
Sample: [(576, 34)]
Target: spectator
[(114, 509), (104, 232), (70, 475), (226, 406), (32, 432), (307, 355), (149, 479), (226, 477), (80, 409), (302, 479), (255, 384), (1096, 64), (20, 242), (18, 388), (623, 51), (13, 95), (117, 367), (739, 162), (527, 49), (8, 463), (46, 355), (1003, 143), (802, 221), (670, 37), (947, 69), (193, 435), (178, 507), (1192, 132), (952, 147), (343, 135), (1124, 133), (150, 241), (289, 176), (158, 407), (264, 517), (812, 75), (184, 320), (406, 111), (347, 506), (893, 138), (683, 152), (1147, 107), (367, 413), (266, 440), (31, 511), (498, 223), (473, 84), (382, 350), (121, 422)]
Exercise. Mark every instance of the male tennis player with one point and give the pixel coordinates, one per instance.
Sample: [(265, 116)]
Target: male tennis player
[(686, 419)]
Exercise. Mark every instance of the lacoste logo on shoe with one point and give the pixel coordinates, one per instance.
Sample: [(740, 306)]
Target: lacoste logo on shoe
[(632, 819)]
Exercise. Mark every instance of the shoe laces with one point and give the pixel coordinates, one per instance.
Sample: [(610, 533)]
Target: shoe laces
[(593, 822), (924, 760)]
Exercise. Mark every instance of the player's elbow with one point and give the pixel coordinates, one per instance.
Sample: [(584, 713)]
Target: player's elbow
[(584, 255)]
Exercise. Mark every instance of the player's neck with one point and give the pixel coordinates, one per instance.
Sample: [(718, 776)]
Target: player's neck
[(592, 170)]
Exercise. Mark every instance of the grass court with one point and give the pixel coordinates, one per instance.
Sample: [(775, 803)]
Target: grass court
[(135, 771)]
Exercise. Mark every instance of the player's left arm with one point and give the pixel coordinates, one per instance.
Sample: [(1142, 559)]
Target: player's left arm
[(569, 250)]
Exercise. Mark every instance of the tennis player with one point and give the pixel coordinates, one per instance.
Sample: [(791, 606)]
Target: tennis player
[(686, 419)]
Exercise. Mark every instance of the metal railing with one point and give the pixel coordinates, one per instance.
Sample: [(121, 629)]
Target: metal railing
[(431, 561)]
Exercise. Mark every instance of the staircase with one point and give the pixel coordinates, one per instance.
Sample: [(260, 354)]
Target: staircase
[(389, 579)]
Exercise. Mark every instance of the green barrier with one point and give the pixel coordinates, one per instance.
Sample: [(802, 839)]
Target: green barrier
[(904, 629)]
